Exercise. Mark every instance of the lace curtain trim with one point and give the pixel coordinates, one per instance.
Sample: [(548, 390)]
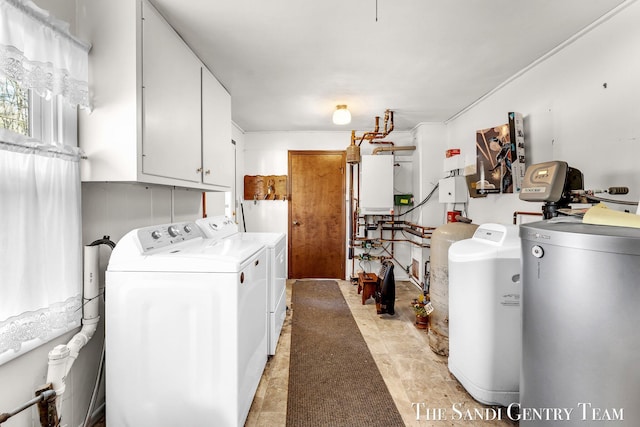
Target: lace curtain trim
[(44, 79), (42, 325), (38, 51)]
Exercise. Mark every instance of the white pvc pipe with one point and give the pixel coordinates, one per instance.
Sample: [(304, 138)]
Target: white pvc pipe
[(91, 286), (62, 357)]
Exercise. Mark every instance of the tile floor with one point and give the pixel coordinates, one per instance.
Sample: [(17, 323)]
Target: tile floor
[(413, 373)]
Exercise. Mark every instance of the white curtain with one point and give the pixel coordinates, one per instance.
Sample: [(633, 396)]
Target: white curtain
[(40, 211), (38, 51), (41, 244)]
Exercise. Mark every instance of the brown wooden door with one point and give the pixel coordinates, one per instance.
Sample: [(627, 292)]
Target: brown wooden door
[(317, 214)]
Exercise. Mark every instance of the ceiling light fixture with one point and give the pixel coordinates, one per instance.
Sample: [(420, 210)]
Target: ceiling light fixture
[(341, 116)]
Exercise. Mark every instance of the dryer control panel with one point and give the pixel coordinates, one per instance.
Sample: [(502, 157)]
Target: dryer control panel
[(161, 236), (217, 227)]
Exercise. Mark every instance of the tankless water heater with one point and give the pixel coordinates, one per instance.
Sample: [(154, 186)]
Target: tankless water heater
[(376, 185)]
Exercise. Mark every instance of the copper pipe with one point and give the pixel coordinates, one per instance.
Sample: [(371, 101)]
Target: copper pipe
[(387, 114), (421, 245), (376, 134), (204, 204), (351, 223), (395, 148), (516, 213)]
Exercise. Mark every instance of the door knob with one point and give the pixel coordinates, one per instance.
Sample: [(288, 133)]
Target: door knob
[(296, 223)]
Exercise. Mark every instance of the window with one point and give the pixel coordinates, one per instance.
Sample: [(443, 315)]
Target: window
[(52, 121), (14, 107)]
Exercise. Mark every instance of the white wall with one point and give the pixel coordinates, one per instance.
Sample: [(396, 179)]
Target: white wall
[(568, 113), (226, 203), (266, 153), (430, 139)]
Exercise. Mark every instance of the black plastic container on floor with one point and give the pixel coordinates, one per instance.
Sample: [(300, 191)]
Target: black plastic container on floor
[(386, 289)]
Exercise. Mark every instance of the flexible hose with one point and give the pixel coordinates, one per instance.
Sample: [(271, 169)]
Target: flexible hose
[(96, 387), (104, 241)]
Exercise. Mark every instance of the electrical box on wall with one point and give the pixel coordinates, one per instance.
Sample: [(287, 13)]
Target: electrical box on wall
[(403, 199), (452, 190), (376, 185)]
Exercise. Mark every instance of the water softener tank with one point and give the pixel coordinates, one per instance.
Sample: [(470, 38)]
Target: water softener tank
[(484, 314), (441, 240), (580, 317)]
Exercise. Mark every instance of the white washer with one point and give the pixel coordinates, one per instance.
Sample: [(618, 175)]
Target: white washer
[(185, 328), (276, 243)]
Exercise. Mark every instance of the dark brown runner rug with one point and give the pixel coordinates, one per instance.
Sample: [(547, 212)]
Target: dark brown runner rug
[(333, 379)]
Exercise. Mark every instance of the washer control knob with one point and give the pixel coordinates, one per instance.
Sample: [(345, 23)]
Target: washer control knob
[(537, 251), (156, 234), (173, 231), (187, 228)]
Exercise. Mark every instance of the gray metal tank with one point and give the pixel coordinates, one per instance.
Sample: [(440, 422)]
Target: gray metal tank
[(580, 319), (441, 239)]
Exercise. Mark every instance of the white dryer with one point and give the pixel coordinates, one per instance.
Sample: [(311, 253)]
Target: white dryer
[(276, 243), (185, 328)]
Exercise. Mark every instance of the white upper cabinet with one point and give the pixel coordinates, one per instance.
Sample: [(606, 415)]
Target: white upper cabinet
[(171, 137), (216, 132), (159, 116)]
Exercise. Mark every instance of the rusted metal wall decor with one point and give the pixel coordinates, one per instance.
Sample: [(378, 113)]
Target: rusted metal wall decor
[(265, 187)]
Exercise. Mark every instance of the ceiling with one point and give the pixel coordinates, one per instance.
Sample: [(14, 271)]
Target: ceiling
[(288, 63)]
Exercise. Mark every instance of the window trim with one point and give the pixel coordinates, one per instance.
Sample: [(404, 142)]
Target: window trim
[(53, 121)]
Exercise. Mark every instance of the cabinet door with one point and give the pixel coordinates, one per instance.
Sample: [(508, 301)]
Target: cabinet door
[(171, 138), (218, 158)]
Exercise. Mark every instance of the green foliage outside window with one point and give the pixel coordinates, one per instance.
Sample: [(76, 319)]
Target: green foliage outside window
[(14, 106)]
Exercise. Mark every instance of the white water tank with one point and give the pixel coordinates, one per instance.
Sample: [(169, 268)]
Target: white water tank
[(485, 337)]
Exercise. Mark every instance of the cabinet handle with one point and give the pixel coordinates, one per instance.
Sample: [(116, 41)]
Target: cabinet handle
[(199, 170), (207, 172)]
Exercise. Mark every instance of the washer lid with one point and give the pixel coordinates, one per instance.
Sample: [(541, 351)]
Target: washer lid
[(220, 227), (194, 254)]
